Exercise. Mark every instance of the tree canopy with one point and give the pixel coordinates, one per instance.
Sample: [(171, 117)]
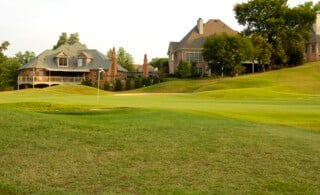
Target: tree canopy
[(64, 39), (25, 57), (161, 63), (225, 53), (123, 58), (283, 27), (262, 50), (8, 69)]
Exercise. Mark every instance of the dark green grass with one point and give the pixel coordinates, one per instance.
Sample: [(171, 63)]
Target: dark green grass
[(128, 150)]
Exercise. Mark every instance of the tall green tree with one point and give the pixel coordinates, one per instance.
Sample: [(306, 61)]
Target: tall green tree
[(226, 52), (124, 58), (4, 45), (73, 38), (25, 57), (280, 25), (64, 39), (8, 69), (262, 50)]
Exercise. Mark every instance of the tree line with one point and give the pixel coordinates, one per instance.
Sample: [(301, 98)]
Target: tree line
[(9, 66)]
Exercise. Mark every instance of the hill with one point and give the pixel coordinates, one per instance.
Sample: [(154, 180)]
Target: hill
[(298, 80)]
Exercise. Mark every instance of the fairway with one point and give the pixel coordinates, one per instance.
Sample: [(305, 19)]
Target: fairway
[(257, 134)]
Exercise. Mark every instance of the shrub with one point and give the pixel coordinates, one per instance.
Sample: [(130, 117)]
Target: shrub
[(194, 70), (183, 70), (118, 85), (128, 84), (87, 81), (156, 80), (138, 82), (95, 84), (147, 81), (106, 85)]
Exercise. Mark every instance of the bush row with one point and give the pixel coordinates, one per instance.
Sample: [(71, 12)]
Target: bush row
[(126, 84)]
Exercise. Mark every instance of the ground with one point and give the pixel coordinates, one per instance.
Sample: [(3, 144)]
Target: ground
[(252, 134)]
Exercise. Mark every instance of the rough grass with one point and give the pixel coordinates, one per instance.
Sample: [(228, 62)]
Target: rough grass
[(256, 134)]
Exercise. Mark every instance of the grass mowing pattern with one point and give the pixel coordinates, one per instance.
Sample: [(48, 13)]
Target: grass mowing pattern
[(252, 134), (91, 152)]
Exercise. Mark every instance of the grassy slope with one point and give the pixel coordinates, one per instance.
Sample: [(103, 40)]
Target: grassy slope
[(302, 79), (249, 134)]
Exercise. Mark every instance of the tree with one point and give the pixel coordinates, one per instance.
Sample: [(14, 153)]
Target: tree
[(226, 52), (73, 38), (4, 46), (123, 58), (161, 63), (25, 57), (183, 70), (8, 69), (262, 49), (63, 39), (280, 25)]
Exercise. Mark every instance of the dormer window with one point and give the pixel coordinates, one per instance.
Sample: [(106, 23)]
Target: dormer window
[(83, 59), (81, 62), (62, 59)]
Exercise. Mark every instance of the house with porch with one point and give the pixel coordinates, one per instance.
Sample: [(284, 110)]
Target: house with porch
[(190, 47), (69, 64)]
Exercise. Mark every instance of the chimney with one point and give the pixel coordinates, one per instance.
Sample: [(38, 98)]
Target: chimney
[(316, 25), (200, 26), (113, 69), (145, 71)]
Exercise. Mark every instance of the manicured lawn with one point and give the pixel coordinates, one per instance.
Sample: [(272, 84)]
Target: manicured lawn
[(250, 138)]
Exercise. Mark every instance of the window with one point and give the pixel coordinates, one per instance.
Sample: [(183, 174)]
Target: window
[(81, 62), (194, 56), (63, 61)]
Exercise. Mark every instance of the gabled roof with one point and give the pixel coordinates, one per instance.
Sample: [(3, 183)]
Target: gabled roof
[(46, 59), (195, 40)]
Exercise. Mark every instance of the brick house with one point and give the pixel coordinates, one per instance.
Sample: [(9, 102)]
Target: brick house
[(69, 64), (190, 47)]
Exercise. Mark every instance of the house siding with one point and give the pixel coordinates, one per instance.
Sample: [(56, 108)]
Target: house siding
[(193, 43)]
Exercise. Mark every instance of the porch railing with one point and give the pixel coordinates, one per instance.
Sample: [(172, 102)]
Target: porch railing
[(48, 80)]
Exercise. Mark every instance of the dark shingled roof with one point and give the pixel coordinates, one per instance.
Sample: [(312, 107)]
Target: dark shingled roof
[(195, 40), (46, 59)]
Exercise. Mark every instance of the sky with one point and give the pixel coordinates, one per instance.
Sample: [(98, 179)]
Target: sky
[(139, 26)]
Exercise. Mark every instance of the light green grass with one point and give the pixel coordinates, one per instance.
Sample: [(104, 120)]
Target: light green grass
[(303, 79), (247, 135)]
